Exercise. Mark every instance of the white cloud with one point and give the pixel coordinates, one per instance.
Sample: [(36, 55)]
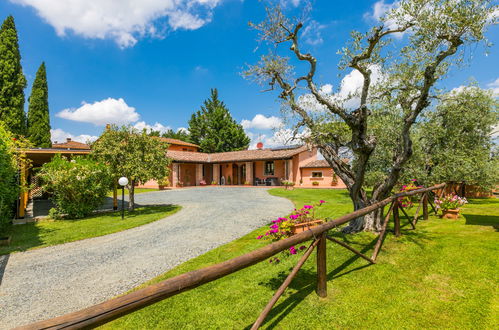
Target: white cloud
[(58, 135), (494, 86), (326, 89), (312, 33), (262, 122), (349, 92), (379, 11), (281, 137), (124, 21), (108, 111), (156, 127), (286, 3)]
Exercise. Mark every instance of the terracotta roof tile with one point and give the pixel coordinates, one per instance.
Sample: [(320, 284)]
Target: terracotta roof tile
[(178, 142), (188, 156), (235, 156), (320, 163), (70, 145)]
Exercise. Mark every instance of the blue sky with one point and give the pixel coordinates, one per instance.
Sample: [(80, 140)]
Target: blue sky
[(153, 62)]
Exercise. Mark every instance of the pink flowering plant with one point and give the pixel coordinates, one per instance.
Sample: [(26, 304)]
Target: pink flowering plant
[(281, 228), (409, 201), (450, 202)]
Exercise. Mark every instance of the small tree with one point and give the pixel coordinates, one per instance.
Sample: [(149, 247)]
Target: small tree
[(133, 154), (12, 80), (77, 186), (38, 111), (408, 72), (214, 129)]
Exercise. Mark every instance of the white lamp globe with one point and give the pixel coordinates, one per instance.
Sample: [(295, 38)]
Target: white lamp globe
[(123, 181)]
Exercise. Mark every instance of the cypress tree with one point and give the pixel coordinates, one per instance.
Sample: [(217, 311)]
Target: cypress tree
[(12, 80), (38, 111), (214, 129)]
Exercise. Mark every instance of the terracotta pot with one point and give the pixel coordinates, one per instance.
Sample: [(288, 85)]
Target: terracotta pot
[(450, 214), (301, 227)]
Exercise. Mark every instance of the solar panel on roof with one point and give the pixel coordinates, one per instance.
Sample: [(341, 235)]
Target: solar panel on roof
[(286, 147)]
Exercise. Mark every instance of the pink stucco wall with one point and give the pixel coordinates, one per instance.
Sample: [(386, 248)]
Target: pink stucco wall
[(279, 170), (325, 181)]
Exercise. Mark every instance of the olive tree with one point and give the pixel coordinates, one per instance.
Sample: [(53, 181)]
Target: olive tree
[(134, 154), (455, 141), (396, 77)]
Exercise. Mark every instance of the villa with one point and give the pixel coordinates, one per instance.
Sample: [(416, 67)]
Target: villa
[(189, 167), (259, 167)]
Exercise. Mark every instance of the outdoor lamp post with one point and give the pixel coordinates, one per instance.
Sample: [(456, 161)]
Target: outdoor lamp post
[(123, 181)]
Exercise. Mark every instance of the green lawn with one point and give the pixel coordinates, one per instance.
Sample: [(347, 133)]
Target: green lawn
[(136, 191), (49, 232), (443, 275)]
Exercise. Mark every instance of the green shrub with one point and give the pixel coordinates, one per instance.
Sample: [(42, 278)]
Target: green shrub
[(9, 188), (77, 186)]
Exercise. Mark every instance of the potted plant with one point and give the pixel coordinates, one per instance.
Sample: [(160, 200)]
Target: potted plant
[(163, 183), (298, 221), (449, 205), (288, 185), (246, 183), (229, 181), (214, 183), (334, 181), (409, 201), (202, 183), (315, 183)]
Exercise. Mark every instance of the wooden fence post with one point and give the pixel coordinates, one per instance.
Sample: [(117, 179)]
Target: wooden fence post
[(321, 267), (425, 206), (396, 218)]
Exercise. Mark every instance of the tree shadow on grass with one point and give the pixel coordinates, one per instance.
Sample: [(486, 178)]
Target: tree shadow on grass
[(23, 237), (305, 283), (482, 220), (29, 235)]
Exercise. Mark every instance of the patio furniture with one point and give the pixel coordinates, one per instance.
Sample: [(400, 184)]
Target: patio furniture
[(259, 182)]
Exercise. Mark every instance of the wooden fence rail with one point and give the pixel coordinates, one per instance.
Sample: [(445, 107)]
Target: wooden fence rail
[(114, 308)]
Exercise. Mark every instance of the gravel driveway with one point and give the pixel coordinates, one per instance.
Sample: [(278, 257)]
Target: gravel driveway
[(52, 281)]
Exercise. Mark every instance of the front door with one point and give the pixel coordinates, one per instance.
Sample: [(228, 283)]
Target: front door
[(235, 174)]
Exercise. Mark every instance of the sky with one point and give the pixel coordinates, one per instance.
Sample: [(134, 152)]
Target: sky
[(152, 63)]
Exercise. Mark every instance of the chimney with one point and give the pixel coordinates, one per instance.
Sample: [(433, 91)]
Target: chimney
[(68, 140)]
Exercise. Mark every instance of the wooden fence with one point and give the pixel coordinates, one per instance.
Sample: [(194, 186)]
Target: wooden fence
[(114, 308)]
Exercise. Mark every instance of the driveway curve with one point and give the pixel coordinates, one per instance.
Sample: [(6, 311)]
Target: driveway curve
[(52, 281)]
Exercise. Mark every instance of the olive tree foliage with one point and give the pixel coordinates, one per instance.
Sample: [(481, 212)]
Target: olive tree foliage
[(134, 154), (436, 34), (455, 141)]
